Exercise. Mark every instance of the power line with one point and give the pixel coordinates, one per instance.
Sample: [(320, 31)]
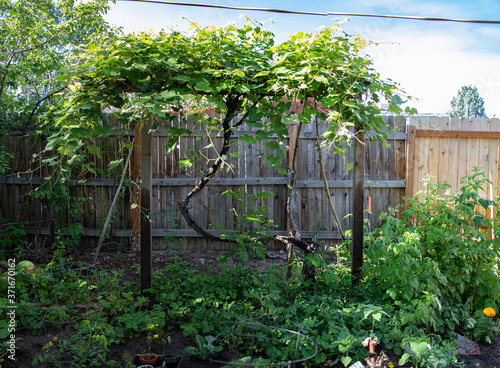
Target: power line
[(326, 14)]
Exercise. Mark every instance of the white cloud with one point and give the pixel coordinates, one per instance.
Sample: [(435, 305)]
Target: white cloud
[(432, 67), (431, 60)]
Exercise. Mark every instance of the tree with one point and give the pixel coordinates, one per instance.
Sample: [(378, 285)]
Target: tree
[(467, 103), (36, 37), (238, 73)]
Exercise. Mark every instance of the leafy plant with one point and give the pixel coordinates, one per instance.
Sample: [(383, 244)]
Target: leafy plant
[(87, 348), (421, 354), (444, 254), (12, 238), (153, 333), (250, 224), (5, 160), (204, 347)]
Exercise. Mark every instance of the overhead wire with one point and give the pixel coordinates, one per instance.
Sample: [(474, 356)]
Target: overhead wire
[(297, 12)]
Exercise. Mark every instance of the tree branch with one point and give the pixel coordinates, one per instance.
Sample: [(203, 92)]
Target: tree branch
[(43, 99)]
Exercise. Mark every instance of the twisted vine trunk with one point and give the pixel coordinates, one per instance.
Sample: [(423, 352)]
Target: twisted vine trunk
[(232, 107), (183, 204)]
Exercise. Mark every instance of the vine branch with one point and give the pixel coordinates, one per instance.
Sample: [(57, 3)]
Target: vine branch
[(232, 106)]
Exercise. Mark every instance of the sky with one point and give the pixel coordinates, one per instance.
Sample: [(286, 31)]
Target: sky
[(430, 60)]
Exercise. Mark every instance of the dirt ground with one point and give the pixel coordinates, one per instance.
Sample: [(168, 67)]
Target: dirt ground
[(29, 347)]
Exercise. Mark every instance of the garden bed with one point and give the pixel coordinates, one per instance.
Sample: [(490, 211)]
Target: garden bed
[(205, 262)]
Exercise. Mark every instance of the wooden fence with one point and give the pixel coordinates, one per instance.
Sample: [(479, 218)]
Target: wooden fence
[(447, 149), (388, 169)]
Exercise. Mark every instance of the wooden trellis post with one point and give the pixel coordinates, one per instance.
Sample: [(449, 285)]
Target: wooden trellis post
[(136, 191), (146, 191), (358, 211)]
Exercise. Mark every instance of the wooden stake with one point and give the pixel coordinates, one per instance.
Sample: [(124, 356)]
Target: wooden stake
[(325, 182), (113, 204)]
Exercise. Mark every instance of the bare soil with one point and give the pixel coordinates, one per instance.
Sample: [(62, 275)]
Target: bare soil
[(28, 348)]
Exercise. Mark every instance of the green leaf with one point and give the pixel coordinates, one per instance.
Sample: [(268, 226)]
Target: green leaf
[(321, 79), (273, 145), (168, 95), (397, 100), (404, 359), (204, 85), (143, 83), (346, 360), (158, 111), (173, 131), (260, 134), (484, 203), (351, 104), (183, 78), (95, 150), (273, 160), (248, 139), (115, 163), (242, 88), (186, 162), (171, 144), (479, 221)]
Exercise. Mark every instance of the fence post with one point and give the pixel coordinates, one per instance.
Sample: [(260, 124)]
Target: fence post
[(358, 211), (292, 192), (146, 189), (136, 191), (410, 161)]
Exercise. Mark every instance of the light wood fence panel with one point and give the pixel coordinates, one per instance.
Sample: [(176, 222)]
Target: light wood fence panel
[(448, 149)]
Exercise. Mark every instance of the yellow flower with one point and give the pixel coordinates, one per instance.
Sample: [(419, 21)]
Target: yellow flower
[(194, 25), (489, 312), (55, 338), (150, 327), (50, 343), (156, 325), (390, 364), (155, 336)]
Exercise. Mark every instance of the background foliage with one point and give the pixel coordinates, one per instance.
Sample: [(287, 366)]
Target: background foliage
[(36, 38), (467, 103)]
